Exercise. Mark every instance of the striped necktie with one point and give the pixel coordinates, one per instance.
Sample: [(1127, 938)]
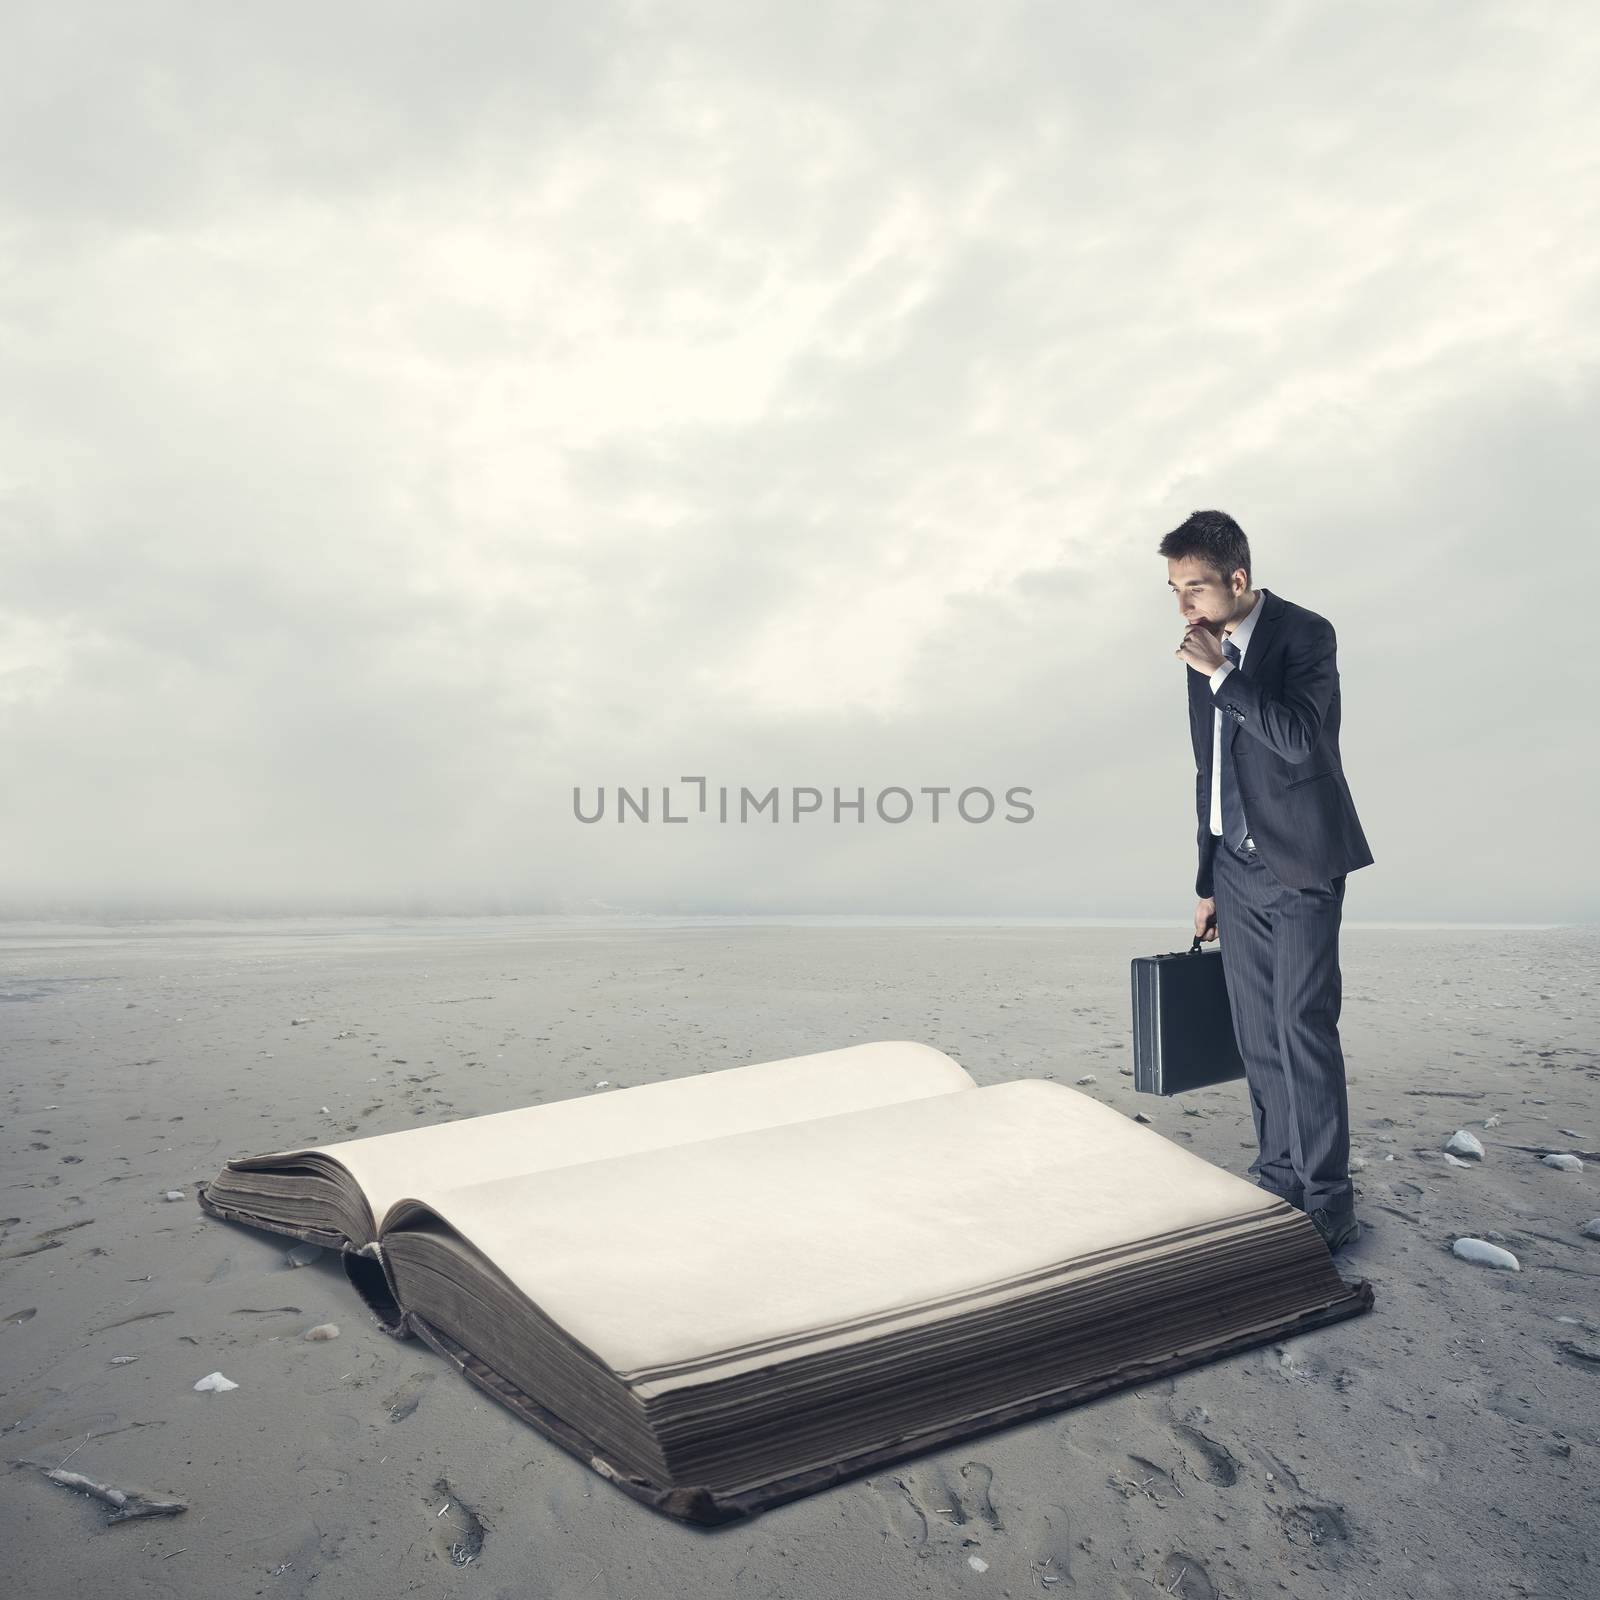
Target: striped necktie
[(1234, 828)]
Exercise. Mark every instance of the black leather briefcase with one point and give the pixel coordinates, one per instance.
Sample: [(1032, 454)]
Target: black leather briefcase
[(1182, 1024)]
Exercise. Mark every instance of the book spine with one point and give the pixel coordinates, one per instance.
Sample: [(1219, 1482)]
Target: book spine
[(369, 1273)]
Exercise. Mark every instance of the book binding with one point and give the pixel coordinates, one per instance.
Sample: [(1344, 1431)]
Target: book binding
[(363, 1264)]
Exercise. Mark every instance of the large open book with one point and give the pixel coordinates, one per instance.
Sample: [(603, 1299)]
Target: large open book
[(728, 1290)]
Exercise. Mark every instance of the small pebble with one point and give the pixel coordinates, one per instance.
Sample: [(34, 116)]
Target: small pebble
[(977, 1563), (1139, 1116), (1591, 1229), (1492, 1122), (1088, 1077), (303, 1255), (1484, 1254), (1456, 1161), (604, 1083), (175, 1194), (1565, 1163), (215, 1381), (323, 1330), (1571, 1133), (298, 1022), (1462, 1143)]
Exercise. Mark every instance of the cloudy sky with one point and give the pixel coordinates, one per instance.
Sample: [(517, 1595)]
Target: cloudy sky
[(409, 413)]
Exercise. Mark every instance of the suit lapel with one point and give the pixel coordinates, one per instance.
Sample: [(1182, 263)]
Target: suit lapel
[(1261, 640)]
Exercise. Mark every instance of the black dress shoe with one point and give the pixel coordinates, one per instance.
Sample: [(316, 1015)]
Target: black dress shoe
[(1337, 1227)]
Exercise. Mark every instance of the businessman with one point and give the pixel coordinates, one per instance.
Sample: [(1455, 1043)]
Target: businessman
[(1278, 833)]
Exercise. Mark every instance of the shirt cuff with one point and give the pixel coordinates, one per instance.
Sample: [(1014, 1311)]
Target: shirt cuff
[(1221, 673)]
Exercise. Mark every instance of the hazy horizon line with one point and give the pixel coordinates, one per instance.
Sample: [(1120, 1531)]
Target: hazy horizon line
[(86, 918)]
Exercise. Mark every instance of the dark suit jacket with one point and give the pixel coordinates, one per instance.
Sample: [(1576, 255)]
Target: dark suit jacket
[(1280, 709)]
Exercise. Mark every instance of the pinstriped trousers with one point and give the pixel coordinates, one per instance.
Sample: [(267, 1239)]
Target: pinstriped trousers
[(1280, 961)]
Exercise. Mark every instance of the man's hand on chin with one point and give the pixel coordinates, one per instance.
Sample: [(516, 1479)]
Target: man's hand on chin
[(1201, 649)]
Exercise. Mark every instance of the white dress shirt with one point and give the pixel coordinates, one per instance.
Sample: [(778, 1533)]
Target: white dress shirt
[(1240, 635)]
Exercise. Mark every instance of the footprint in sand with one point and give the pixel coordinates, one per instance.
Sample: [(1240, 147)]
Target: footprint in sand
[(915, 1502), (458, 1531), (1184, 1577), (979, 1477), (1148, 1478), (902, 1510), (1220, 1466), (1322, 1527), (408, 1396)]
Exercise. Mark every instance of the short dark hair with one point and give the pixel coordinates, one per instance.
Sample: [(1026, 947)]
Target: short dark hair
[(1213, 536)]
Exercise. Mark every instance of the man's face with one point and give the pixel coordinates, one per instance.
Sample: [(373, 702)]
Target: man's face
[(1202, 596)]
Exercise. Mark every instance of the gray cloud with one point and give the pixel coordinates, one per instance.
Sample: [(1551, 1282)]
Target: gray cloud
[(410, 412)]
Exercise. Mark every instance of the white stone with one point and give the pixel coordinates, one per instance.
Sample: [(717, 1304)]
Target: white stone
[(1462, 1143), (1565, 1163), (1484, 1254), (1591, 1229), (215, 1380)]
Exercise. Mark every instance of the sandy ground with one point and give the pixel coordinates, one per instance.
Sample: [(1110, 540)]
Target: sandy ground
[(1445, 1444)]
